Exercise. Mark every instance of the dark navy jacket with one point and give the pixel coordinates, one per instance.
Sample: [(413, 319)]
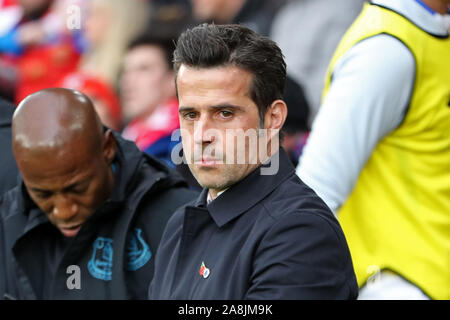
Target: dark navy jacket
[(8, 168), (266, 237), (114, 248)]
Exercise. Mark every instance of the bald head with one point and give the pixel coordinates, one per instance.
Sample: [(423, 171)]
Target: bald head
[(50, 119), (63, 155)]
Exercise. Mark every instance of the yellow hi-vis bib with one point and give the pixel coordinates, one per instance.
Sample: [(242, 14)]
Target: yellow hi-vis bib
[(398, 214)]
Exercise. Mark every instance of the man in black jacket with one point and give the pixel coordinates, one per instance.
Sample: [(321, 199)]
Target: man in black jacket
[(88, 217), (256, 231)]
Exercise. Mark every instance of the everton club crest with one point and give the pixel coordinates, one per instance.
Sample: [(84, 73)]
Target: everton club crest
[(100, 265), (138, 251)]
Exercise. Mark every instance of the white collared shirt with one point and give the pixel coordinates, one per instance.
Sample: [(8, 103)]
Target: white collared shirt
[(209, 198)]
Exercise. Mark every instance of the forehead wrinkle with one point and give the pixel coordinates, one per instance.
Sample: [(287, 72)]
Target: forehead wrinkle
[(214, 81)]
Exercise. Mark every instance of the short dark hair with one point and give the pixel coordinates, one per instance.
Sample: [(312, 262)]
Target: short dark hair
[(167, 45), (210, 45)]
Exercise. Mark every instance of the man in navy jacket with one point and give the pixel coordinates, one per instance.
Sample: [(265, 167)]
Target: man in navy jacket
[(256, 231), (87, 218)]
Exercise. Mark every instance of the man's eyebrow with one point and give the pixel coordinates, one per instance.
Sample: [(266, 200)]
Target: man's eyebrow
[(67, 188), (226, 106), (185, 109), (215, 107), (40, 190), (76, 184)]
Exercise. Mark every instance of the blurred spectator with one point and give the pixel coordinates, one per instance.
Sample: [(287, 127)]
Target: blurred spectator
[(379, 150), (109, 27), (295, 128), (255, 14), (104, 98), (8, 167), (320, 25), (36, 41), (10, 14), (170, 17), (148, 95), (8, 80)]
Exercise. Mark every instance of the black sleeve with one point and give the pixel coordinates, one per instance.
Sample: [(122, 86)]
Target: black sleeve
[(162, 206), (303, 256)]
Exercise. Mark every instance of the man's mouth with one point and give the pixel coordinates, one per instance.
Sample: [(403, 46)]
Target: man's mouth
[(208, 161), (70, 231)]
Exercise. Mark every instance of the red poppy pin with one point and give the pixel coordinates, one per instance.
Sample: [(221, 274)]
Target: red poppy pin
[(204, 271)]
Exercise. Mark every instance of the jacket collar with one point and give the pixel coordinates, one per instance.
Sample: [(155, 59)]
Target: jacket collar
[(246, 193)]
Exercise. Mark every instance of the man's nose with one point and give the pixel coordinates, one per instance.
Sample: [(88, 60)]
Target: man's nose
[(202, 132), (64, 208)]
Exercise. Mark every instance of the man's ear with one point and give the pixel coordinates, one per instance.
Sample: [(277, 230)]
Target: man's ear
[(109, 146), (275, 115)]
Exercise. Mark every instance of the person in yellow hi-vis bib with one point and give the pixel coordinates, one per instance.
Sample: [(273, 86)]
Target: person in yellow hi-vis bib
[(379, 150)]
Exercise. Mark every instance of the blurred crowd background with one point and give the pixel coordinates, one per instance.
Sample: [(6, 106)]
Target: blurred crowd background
[(119, 53)]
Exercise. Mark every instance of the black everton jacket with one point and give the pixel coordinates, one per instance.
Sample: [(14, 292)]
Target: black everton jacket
[(112, 254), (266, 237)]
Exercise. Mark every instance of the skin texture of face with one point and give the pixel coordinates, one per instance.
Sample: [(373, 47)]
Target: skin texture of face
[(214, 102), (146, 82), (64, 156)]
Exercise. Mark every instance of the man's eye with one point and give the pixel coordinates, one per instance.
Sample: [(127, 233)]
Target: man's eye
[(190, 116), (78, 190), (42, 195), (226, 114)]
